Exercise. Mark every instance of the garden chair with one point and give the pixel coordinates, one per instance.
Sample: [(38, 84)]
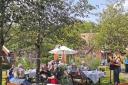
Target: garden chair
[(78, 79)]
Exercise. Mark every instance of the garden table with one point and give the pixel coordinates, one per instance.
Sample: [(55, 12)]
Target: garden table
[(94, 75), (53, 84)]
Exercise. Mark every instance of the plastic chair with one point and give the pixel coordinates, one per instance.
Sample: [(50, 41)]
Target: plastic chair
[(78, 79)]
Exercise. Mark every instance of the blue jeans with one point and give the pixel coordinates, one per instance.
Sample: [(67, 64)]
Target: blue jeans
[(126, 68), (116, 75)]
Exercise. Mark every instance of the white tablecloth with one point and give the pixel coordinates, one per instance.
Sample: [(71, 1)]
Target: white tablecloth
[(53, 84), (94, 75), (31, 73)]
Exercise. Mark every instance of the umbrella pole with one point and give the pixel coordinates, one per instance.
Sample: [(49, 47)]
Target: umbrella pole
[(63, 60)]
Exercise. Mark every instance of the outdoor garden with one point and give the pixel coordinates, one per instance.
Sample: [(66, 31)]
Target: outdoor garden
[(32, 33)]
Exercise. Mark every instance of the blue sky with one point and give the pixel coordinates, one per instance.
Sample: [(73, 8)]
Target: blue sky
[(100, 5)]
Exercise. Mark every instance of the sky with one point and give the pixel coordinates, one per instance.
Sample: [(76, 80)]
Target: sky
[(126, 5), (100, 5)]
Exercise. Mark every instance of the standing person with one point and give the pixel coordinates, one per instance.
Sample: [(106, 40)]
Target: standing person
[(117, 67), (126, 63)]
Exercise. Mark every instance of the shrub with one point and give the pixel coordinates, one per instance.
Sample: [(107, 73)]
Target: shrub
[(92, 62), (6, 66), (95, 63), (26, 63)]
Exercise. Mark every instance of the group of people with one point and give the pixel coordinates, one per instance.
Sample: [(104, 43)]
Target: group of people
[(49, 73), (52, 72), (16, 75), (73, 68)]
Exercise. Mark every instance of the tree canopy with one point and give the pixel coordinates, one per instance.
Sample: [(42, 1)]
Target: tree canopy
[(39, 18), (113, 27)]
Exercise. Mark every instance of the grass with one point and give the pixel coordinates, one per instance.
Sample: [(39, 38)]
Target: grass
[(106, 80), (4, 77)]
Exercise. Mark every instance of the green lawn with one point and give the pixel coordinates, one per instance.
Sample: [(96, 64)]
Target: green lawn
[(106, 80), (4, 76)]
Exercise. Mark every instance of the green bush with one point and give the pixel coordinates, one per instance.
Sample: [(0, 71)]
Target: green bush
[(6, 66), (26, 63), (46, 59), (92, 62), (95, 63)]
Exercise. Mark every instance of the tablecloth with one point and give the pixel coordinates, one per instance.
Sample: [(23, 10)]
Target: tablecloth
[(94, 75)]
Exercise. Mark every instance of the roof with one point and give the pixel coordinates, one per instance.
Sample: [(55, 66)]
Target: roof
[(4, 52), (88, 36)]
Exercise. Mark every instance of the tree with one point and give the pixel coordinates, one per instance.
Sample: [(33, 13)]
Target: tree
[(43, 17), (68, 36), (21, 39), (71, 35), (113, 31), (46, 16), (9, 15)]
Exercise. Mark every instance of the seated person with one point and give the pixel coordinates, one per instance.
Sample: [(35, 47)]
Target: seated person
[(19, 78), (84, 66), (44, 72), (10, 72), (68, 68), (53, 77), (58, 71), (73, 69), (47, 75)]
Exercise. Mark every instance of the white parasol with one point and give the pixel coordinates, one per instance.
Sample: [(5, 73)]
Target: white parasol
[(55, 50), (63, 49)]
